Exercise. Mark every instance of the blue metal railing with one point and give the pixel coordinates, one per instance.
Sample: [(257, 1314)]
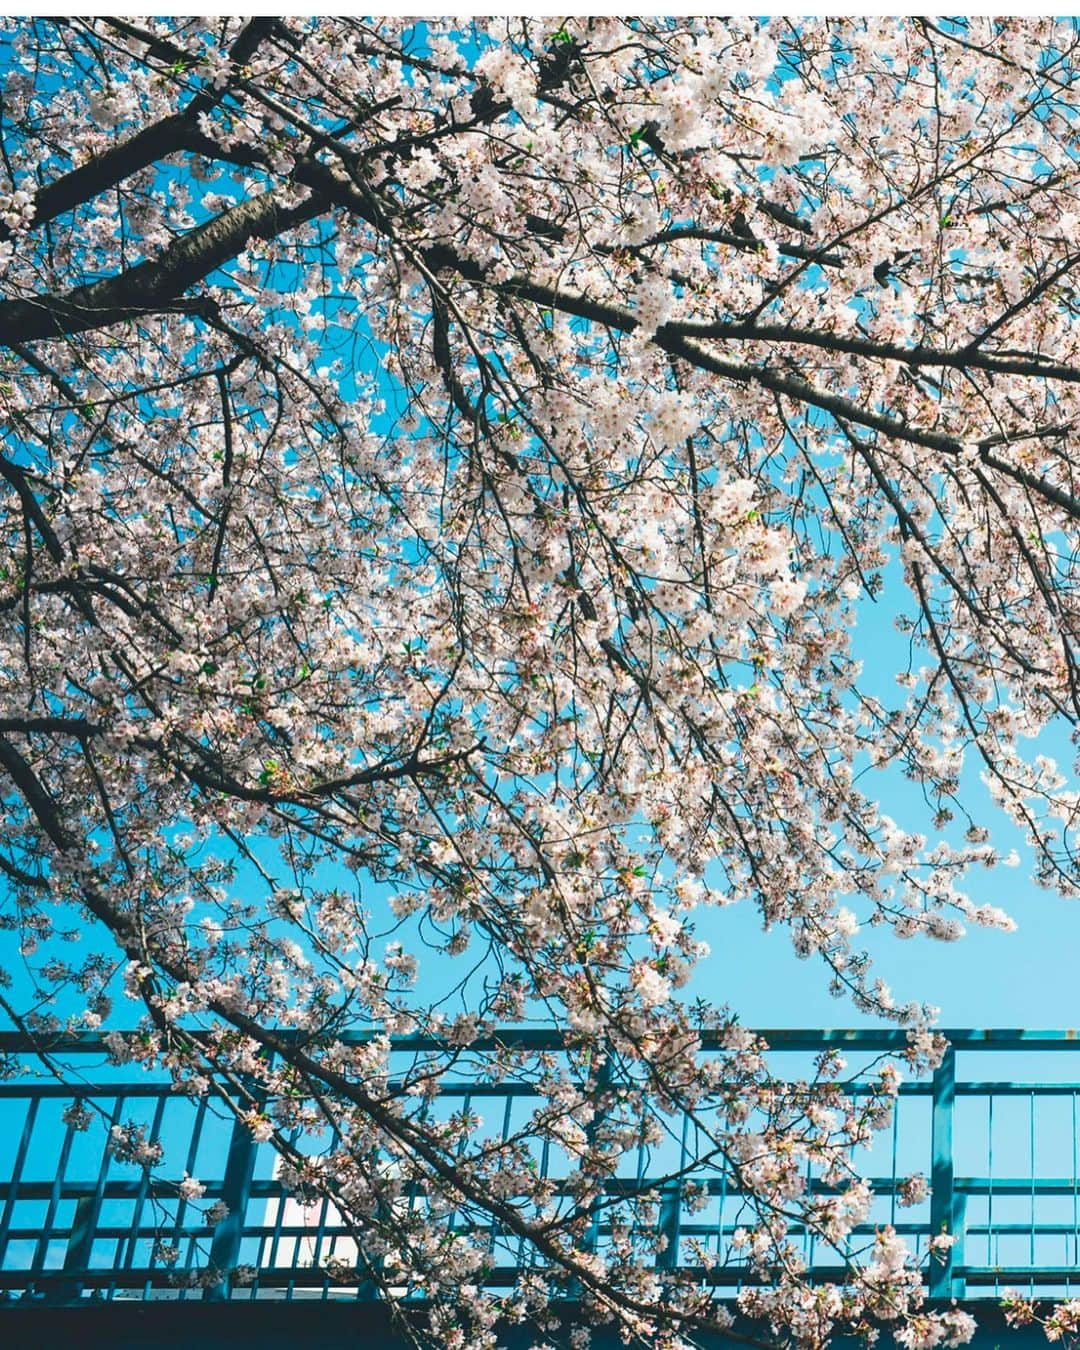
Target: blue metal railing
[(1000, 1149)]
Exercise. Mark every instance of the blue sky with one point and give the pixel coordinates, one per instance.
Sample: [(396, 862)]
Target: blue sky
[(1027, 978), (991, 979)]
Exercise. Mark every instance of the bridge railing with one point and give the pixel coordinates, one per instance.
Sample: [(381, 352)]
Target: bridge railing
[(995, 1130)]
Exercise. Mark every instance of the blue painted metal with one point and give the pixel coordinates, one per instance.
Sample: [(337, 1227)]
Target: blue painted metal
[(591, 1239), (943, 1193), (537, 1038), (236, 1195), (671, 1206), (71, 1229)]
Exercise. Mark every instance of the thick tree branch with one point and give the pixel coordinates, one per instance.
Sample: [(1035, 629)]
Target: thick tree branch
[(159, 284), (145, 148)]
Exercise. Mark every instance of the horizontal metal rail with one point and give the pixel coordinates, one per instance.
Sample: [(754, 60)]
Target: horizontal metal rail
[(542, 1038)]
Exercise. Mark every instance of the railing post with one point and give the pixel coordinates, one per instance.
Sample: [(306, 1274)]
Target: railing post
[(80, 1244), (236, 1193), (84, 1226), (671, 1208), (670, 1224), (959, 1283), (591, 1237), (944, 1211)]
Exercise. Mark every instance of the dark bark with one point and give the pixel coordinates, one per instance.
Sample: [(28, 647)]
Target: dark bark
[(146, 147), (159, 284)]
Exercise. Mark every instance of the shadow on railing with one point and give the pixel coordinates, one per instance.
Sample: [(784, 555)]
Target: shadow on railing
[(75, 1223)]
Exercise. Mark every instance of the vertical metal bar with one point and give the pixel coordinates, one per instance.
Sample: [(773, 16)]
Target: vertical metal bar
[(495, 1229), (591, 1237), (321, 1242), (957, 1262), (722, 1248), (278, 1199), (942, 1197), (603, 1081), (69, 1290), (297, 1247), (279, 1217), (466, 1105), (1075, 1195), (809, 1234), (671, 1209), (236, 1193), (1031, 1169), (136, 1234), (44, 1242), (991, 1235), (642, 1163), (189, 1168), (118, 1243), (80, 1254), (367, 1288), (79, 1244), (16, 1173), (87, 1213)]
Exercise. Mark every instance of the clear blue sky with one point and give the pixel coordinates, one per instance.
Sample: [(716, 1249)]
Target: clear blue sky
[(1024, 979), (1027, 978)]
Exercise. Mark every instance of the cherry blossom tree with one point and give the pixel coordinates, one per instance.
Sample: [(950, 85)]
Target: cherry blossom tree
[(449, 461)]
